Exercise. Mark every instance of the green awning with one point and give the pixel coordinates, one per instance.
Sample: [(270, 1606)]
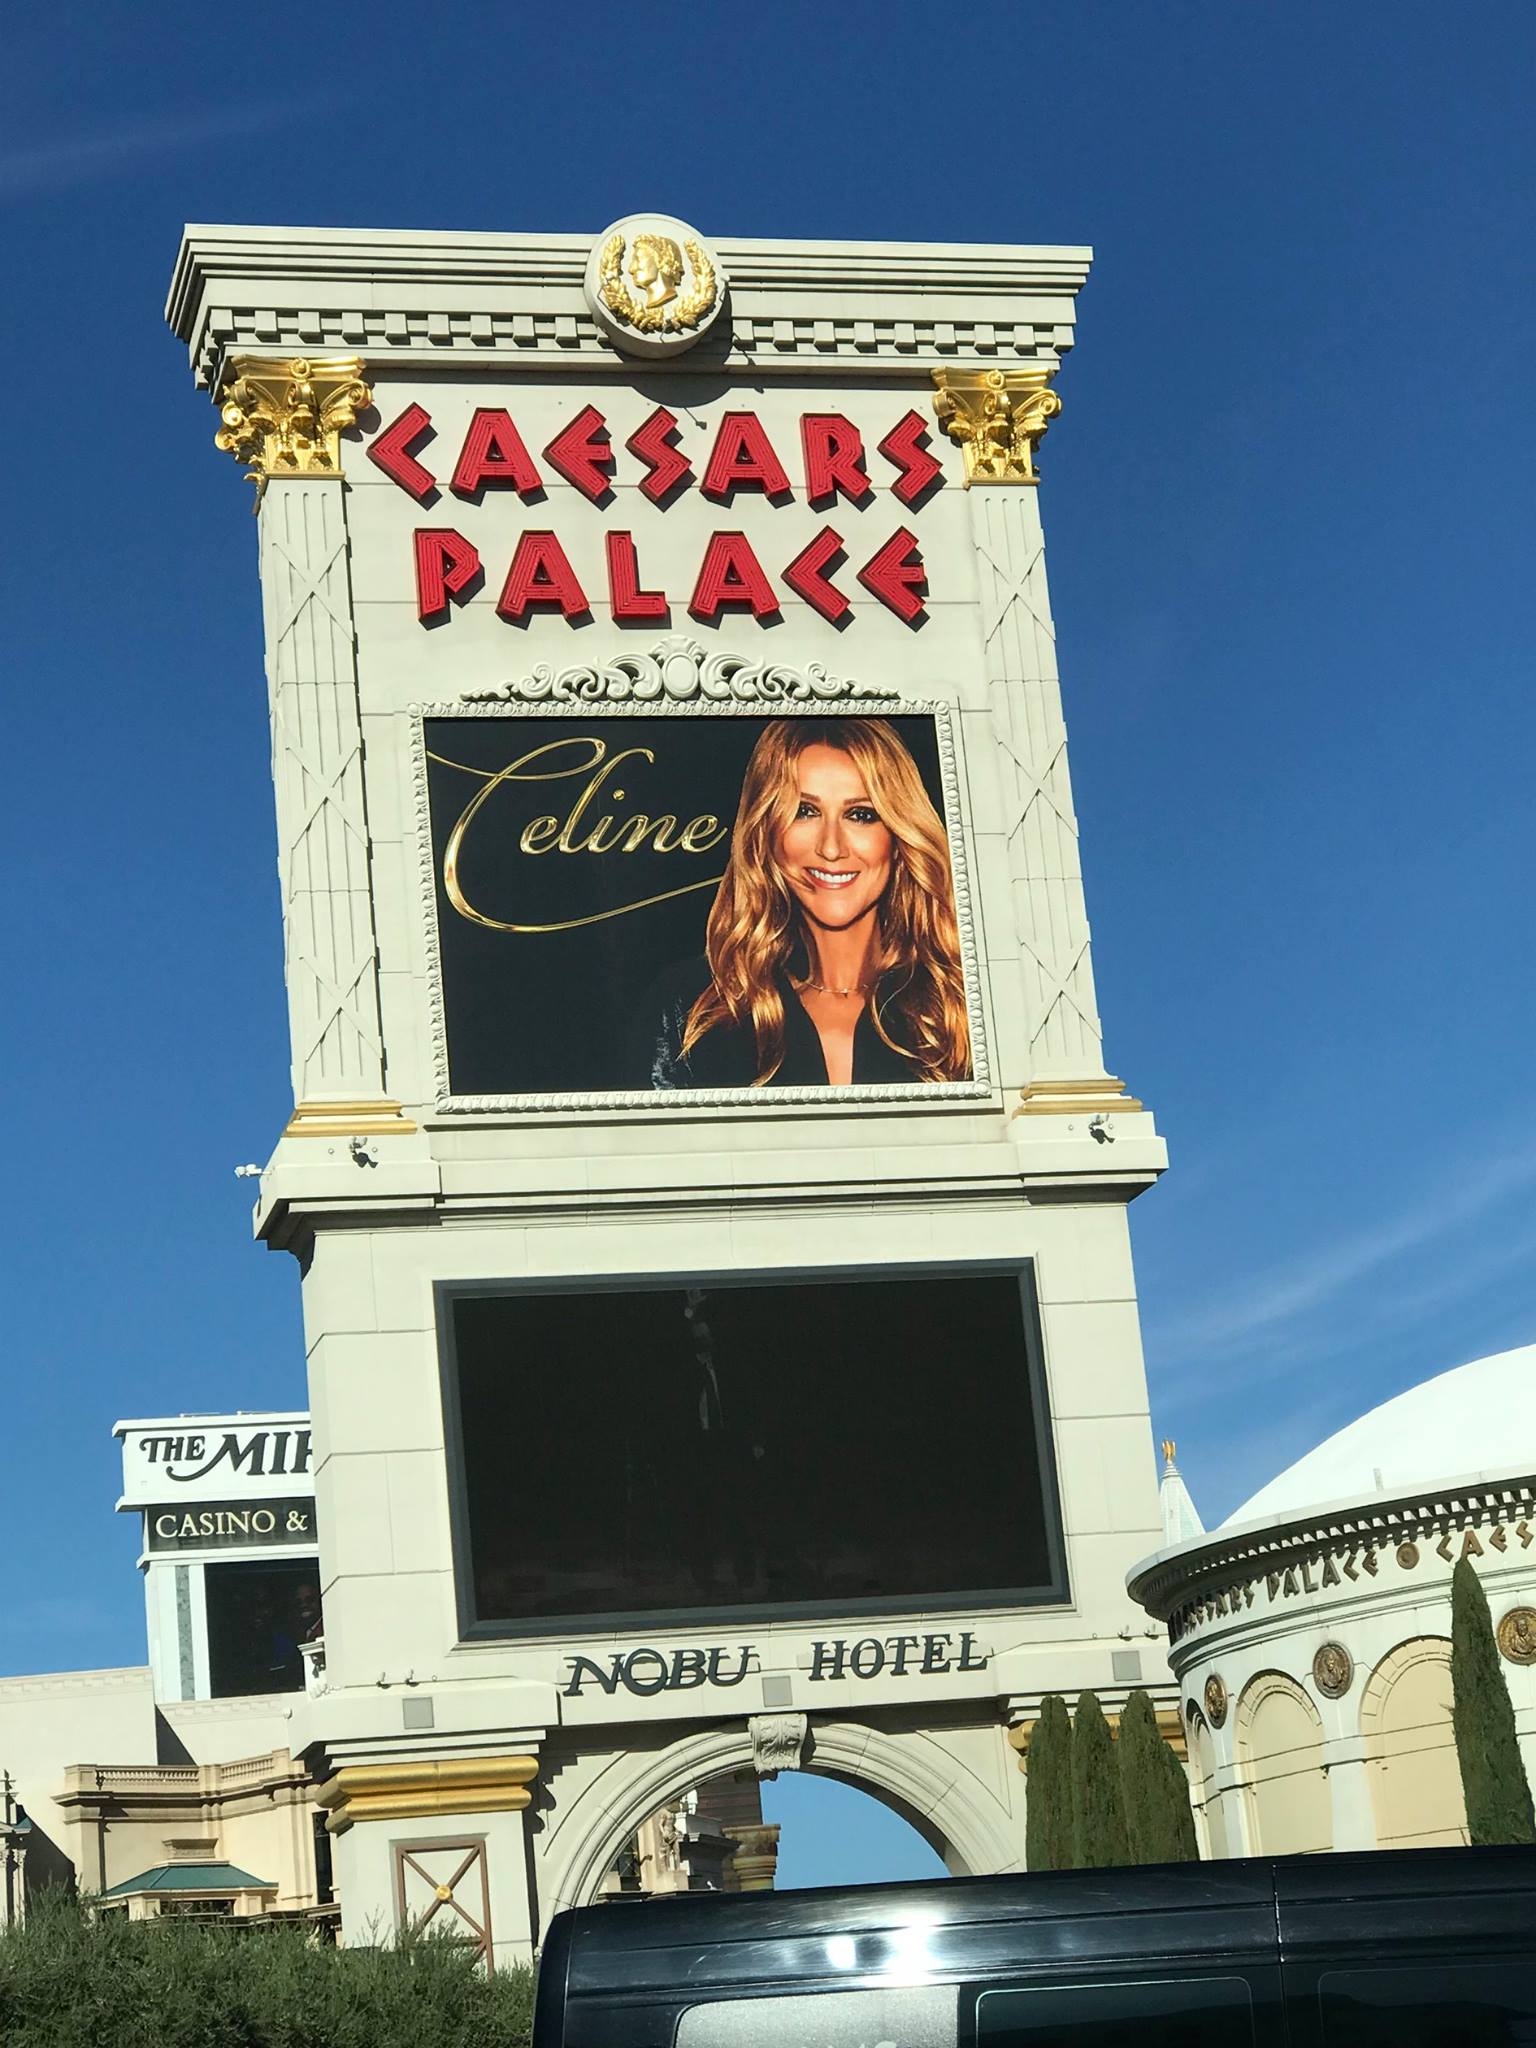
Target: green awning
[(190, 1877)]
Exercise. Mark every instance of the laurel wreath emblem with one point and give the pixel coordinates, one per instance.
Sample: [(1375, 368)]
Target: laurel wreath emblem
[(685, 311)]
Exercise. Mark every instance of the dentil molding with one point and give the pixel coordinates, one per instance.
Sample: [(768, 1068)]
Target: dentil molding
[(408, 300)]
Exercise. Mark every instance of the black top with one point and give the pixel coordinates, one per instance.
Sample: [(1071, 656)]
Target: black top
[(726, 1057)]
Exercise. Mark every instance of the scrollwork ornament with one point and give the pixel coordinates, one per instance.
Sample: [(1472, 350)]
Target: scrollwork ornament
[(1333, 1670), (1215, 1698), (678, 670), (1517, 1635)]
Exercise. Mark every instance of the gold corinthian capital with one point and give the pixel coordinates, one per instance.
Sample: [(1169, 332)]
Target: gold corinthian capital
[(998, 417), (285, 417)]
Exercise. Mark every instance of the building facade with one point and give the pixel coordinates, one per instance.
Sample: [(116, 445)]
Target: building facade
[(144, 1790), (229, 1552), (1310, 1633), (174, 1784)]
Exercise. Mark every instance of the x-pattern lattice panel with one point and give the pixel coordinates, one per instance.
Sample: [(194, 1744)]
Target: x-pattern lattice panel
[(445, 1886), (317, 768), (1046, 879)]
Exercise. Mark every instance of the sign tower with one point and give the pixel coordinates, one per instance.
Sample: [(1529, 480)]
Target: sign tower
[(708, 1188)]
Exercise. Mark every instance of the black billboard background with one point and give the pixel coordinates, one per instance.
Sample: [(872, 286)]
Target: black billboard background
[(820, 1445), (566, 1012)]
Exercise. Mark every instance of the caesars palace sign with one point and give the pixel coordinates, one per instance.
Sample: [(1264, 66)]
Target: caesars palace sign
[(703, 1171)]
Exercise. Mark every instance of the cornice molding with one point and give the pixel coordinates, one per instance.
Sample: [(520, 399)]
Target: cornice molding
[(1163, 1582), (410, 299)]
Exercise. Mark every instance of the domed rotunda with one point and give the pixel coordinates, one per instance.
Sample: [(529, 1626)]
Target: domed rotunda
[(1310, 1633)]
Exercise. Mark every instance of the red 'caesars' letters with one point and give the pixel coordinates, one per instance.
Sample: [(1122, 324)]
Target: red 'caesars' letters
[(730, 577)]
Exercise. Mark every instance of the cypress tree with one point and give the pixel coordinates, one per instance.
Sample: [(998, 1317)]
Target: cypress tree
[(1159, 1824), (1492, 1775), (1098, 1810), (1048, 1800), (1180, 1844)]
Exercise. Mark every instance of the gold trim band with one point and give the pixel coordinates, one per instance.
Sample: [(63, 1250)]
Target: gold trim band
[(1069, 1098), (373, 1116), (1170, 1725), (415, 1791)]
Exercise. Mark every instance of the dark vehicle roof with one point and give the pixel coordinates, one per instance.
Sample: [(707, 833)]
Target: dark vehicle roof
[(705, 1944)]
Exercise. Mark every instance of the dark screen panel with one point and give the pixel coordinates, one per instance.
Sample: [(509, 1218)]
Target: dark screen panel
[(258, 1614), (816, 1445)]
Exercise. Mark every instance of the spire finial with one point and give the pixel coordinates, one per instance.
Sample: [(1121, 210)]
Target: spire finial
[(1168, 1451)]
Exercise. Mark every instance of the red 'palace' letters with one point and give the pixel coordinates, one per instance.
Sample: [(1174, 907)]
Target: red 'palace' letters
[(730, 575)]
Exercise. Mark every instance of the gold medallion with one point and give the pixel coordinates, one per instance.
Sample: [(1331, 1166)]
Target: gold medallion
[(654, 285)]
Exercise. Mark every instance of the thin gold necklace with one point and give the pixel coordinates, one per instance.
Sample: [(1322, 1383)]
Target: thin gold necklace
[(859, 988)]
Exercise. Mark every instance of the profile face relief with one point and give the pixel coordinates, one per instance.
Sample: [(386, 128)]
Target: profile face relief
[(833, 849)]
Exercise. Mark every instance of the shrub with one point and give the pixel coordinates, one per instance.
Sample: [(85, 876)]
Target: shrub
[(69, 1980)]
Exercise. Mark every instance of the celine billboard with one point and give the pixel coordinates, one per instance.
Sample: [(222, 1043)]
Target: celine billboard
[(646, 903)]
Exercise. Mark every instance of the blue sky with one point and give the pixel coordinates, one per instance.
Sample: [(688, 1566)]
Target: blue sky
[(1289, 514)]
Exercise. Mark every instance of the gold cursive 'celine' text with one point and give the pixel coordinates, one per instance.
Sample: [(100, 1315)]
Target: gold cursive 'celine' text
[(583, 829)]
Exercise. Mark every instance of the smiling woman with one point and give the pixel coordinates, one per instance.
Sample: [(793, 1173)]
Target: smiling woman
[(832, 947)]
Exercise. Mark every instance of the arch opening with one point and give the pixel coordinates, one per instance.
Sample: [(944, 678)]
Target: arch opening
[(909, 1773), (811, 1827)]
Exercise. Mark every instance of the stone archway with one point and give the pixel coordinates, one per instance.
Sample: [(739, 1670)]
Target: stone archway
[(909, 1772)]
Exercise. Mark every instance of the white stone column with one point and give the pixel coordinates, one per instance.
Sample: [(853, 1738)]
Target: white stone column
[(1349, 1792), (286, 418), (998, 417)]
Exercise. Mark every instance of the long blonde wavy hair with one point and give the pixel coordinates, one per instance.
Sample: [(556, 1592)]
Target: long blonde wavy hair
[(755, 936)]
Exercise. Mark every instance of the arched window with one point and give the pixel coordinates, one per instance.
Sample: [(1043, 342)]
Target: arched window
[(1280, 1742), (1410, 1748)]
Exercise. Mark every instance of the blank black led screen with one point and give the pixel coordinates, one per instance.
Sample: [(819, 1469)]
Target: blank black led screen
[(801, 1447), (258, 1614)]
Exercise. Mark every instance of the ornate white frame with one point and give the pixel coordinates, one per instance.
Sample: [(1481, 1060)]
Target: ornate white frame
[(678, 678)]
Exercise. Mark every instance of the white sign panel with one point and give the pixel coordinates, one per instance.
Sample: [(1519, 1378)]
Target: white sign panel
[(214, 1457)]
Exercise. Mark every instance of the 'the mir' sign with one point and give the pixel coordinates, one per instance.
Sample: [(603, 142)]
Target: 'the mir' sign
[(214, 1457), (183, 1458)]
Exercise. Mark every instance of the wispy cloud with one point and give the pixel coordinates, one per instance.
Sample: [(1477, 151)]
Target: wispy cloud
[(82, 159), (1258, 1314)]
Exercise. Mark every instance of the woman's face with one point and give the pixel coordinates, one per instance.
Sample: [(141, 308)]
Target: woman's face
[(833, 851)]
